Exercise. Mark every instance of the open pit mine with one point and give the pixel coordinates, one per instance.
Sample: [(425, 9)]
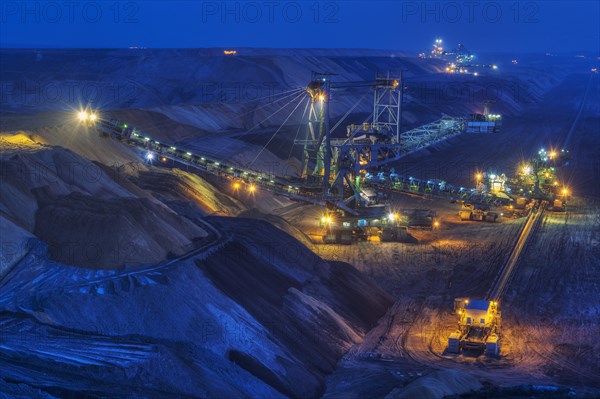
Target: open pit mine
[(252, 223)]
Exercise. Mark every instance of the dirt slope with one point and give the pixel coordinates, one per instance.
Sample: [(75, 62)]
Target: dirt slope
[(255, 315), (83, 213)]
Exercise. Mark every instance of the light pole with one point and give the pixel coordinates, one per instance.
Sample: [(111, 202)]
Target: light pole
[(565, 193), (479, 178)]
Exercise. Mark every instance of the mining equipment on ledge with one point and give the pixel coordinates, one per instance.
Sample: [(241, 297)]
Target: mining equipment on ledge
[(479, 323)]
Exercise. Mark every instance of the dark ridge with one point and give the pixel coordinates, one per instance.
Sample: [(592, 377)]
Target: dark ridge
[(260, 371)]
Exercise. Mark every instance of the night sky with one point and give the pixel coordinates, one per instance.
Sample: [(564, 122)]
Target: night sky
[(494, 26)]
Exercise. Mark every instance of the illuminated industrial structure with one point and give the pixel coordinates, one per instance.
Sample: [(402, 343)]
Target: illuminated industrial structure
[(484, 123), (538, 176), (463, 56), (368, 146), (436, 52), (497, 183), (458, 59), (478, 326), (344, 175), (342, 165), (317, 147)]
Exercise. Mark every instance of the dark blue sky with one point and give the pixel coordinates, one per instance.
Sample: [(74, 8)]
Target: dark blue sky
[(513, 26)]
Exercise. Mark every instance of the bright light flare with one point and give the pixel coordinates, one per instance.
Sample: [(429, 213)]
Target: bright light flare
[(85, 115), (149, 156), (321, 97), (252, 188)]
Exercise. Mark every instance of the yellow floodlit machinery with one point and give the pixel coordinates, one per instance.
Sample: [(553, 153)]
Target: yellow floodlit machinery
[(336, 230), (478, 326), (478, 212)]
